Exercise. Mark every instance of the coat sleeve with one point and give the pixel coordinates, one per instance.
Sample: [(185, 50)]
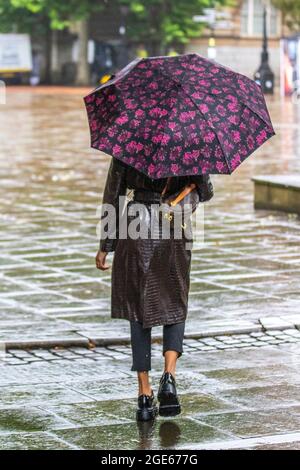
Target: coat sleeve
[(115, 187), (204, 187)]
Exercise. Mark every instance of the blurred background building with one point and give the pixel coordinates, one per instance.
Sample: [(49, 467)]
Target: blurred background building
[(238, 36), (88, 50)]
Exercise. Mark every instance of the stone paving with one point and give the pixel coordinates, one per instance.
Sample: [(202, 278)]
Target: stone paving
[(50, 186), (238, 391), (15, 357)]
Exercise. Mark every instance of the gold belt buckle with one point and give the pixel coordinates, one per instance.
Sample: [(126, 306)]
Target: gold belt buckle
[(168, 216)]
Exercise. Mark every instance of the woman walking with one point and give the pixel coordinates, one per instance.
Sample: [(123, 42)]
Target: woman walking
[(150, 280), (176, 120)]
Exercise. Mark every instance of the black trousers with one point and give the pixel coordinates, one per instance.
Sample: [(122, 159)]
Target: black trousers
[(141, 343)]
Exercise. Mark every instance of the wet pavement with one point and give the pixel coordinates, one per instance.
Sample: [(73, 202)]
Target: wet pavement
[(240, 395), (51, 182), (248, 269)]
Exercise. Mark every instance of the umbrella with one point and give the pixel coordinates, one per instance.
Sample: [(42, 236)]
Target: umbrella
[(183, 115)]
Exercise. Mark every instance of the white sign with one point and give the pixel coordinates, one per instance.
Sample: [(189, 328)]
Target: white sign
[(2, 94), (210, 13), (213, 16), (199, 18), (223, 24), (15, 53), (211, 53)]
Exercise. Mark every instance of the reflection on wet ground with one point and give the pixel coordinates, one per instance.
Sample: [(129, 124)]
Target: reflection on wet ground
[(78, 398), (241, 397)]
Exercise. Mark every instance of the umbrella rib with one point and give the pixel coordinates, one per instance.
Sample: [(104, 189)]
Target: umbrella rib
[(195, 104), (250, 107), (167, 120), (214, 131), (241, 99)]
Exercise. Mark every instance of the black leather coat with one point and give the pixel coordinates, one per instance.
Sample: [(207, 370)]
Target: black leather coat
[(121, 177), (150, 277)]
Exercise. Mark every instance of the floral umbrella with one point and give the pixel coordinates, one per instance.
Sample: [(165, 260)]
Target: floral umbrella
[(183, 115)]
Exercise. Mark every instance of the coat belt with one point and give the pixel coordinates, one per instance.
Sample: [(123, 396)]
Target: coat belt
[(146, 196)]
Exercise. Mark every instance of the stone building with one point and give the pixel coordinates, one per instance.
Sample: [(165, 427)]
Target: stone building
[(238, 37)]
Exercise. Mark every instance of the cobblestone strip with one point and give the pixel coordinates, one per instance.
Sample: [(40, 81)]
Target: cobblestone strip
[(208, 330), (233, 342)]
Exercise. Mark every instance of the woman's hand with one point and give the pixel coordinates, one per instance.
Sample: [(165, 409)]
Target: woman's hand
[(101, 261)]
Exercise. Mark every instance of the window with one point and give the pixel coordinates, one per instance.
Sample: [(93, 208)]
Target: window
[(252, 18), (258, 11)]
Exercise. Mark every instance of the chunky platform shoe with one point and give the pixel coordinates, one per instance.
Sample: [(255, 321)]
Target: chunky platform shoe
[(167, 396), (147, 409)]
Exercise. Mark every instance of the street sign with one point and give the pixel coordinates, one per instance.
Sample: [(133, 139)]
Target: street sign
[(223, 24), (215, 19), (200, 19)]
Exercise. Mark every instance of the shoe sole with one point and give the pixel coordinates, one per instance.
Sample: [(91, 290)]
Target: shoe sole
[(146, 415), (168, 405)]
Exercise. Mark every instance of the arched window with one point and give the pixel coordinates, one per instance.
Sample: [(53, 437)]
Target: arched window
[(252, 18)]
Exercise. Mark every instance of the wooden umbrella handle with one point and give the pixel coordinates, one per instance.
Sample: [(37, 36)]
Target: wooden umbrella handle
[(187, 190)]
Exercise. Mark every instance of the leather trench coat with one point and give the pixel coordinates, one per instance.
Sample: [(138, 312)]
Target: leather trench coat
[(150, 277)]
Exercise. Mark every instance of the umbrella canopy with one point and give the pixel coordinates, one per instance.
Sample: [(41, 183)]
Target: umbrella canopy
[(183, 115)]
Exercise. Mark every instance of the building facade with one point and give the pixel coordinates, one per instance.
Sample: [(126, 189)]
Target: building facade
[(237, 34)]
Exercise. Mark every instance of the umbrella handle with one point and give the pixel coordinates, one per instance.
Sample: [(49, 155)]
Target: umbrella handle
[(187, 190)]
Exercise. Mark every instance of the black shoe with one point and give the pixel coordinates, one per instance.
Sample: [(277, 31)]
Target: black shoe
[(147, 409), (167, 396)]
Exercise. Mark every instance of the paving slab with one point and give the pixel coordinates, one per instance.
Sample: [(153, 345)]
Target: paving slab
[(275, 323), (289, 441), (34, 441), (160, 435), (30, 419), (230, 399)]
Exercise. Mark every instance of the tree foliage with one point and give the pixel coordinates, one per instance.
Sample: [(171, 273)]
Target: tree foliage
[(160, 21), (166, 21), (18, 19), (61, 13), (291, 12)]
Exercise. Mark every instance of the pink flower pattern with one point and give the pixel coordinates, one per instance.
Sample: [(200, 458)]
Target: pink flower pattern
[(178, 115)]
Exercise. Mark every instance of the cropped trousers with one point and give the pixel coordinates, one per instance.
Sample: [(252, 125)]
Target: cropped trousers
[(141, 343)]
